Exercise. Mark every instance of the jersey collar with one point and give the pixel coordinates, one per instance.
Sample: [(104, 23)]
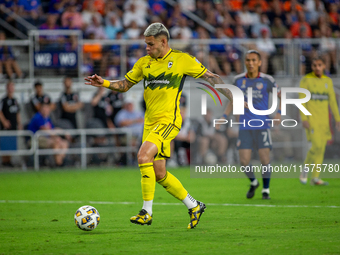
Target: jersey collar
[(258, 76), (167, 54)]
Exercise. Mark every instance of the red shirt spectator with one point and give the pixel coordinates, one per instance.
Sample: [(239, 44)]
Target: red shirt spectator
[(296, 27), (333, 14), (253, 3), (289, 4), (234, 5), (98, 4)]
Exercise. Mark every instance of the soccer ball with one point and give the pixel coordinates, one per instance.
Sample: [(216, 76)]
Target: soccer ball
[(87, 218)]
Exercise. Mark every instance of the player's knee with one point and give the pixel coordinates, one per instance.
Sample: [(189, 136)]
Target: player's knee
[(143, 157), (244, 162), (317, 148)]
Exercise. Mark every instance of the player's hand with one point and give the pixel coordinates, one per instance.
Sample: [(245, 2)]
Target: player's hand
[(94, 80), (305, 124), (337, 125)]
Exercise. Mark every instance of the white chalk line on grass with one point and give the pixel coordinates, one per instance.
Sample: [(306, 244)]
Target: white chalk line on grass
[(132, 203)]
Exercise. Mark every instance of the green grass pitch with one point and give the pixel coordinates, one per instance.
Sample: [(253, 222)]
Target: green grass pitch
[(37, 210)]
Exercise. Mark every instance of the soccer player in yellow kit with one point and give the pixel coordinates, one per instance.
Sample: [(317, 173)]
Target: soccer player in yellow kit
[(164, 71), (317, 125)]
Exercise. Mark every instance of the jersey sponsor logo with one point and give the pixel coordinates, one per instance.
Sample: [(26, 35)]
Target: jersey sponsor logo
[(320, 97), (162, 81), (157, 81)]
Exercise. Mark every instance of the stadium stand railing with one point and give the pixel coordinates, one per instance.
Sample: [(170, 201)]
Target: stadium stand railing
[(30, 147)]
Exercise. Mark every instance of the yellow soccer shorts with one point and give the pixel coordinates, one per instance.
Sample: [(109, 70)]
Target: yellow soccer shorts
[(161, 135)]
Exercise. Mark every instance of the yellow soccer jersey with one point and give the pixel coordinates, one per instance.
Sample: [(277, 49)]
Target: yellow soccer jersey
[(322, 95), (163, 84)]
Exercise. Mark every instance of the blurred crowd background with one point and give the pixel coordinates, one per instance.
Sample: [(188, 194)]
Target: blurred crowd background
[(106, 37)]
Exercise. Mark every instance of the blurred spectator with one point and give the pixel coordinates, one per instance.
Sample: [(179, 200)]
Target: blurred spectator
[(40, 97), (277, 11), (88, 13), (133, 31), (185, 137), (266, 47), (30, 10), (111, 10), (96, 28), (129, 118), (257, 14), (158, 7), (70, 103), (296, 27), (174, 16), (313, 10), (51, 42), (290, 5), (71, 18), (306, 50), (9, 120), (111, 65), (261, 3), (226, 54), (93, 52), (328, 48), (245, 16), (98, 5), (113, 26), (200, 9), (209, 139), (234, 5), (213, 17), (278, 29), (257, 28), (41, 121), (7, 60), (142, 7), (333, 14), (182, 28), (117, 101), (102, 107), (131, 14), (187, 5), (59, 6), (203, 53)]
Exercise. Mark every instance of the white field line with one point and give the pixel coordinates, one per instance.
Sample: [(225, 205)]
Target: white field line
[(133, 203)]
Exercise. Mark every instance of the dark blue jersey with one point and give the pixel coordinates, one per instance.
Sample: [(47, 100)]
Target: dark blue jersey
[(262, 86)]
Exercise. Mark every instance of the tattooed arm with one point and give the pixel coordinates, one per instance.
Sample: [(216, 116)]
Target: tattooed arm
[(215, 79), (119, 85)]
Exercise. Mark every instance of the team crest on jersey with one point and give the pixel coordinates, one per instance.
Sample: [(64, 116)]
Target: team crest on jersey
[(259, 85), (170, 64)]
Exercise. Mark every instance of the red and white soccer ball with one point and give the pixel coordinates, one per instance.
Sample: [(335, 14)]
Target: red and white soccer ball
[(87, 218)]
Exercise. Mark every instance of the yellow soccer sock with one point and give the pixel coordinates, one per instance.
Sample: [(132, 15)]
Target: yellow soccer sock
[(148, 181), (173, 186), (318, 161)]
